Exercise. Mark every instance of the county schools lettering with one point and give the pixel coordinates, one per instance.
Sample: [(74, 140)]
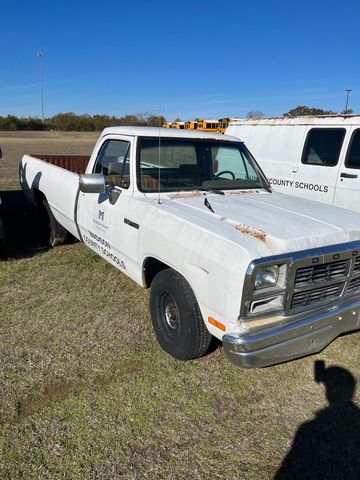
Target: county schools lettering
[(299, 185)]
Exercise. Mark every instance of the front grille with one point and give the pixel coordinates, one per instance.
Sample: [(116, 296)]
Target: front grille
[(333, 276), (319, 279), (357, 265), (315, 274), (354, 285), (309, 297)]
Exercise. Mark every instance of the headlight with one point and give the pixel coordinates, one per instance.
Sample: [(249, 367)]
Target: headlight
[(267, 277), (265, 288)]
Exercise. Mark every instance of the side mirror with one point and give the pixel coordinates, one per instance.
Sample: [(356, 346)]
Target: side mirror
[(92, 183)]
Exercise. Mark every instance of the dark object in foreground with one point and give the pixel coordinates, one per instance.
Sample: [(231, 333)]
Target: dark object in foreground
[(328, 446)]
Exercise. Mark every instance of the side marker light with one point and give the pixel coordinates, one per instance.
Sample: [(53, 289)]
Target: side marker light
[(217, 324)]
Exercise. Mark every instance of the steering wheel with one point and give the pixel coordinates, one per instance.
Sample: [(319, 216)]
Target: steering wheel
[(221, 173)]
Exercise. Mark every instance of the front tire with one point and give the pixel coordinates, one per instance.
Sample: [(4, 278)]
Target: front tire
[(176, 317)]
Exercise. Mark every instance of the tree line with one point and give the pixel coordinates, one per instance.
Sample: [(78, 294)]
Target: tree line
[(70, 122)]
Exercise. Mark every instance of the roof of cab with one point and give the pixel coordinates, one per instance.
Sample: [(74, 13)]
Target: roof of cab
[(166, 133)]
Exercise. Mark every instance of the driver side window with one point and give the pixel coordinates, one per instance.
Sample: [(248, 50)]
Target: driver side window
[(114, 162)]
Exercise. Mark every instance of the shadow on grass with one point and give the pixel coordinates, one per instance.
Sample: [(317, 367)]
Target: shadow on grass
[(25, 229), (328, 446)]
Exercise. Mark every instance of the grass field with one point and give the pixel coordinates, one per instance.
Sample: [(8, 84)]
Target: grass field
[(86, 392)]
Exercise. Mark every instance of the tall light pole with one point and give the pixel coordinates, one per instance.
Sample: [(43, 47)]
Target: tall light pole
[(41, 56), (347, 90)]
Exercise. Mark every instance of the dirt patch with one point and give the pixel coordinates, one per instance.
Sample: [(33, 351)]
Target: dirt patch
[(127, 367), (36, 403), (57, 392)]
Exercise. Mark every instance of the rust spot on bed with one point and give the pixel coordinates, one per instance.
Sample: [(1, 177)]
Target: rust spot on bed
[(254, 232), (187, 195), (222, 218)]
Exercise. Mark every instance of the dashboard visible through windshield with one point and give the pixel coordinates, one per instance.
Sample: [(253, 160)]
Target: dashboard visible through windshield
[(171, 165)]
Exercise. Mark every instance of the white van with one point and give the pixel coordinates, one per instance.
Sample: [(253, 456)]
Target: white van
[(311, 157)]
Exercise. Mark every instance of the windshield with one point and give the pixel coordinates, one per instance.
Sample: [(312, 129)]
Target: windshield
[(185, 165)]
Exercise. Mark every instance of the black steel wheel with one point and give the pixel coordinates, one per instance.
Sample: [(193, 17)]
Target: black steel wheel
[(176, 317)]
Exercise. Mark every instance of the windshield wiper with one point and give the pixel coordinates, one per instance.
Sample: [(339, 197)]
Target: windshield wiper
[(207, 205), (202, 189), (266, 188), (206, 201)]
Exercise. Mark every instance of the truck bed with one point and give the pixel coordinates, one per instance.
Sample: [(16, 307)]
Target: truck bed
[(73, 163), (60, 186)]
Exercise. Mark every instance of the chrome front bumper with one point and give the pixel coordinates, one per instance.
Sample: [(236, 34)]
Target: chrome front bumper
[(294, 337)]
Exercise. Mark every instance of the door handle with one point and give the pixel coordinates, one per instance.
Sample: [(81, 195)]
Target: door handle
[(348, 175)]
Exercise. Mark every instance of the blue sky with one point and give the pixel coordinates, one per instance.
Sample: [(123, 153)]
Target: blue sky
[(184, 58)]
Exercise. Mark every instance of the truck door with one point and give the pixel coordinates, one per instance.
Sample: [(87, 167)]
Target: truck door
[(348, 181), (101, 216), (318, 166)]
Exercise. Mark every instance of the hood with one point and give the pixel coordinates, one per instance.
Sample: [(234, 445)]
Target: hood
[(280, 223)]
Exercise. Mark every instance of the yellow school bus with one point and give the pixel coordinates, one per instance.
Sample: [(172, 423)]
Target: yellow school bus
[(191, 125), (224, 123), (167, 125), (208, 125), (178, 125)]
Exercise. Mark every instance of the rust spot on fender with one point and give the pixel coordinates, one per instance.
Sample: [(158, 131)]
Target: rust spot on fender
[(254, 232)]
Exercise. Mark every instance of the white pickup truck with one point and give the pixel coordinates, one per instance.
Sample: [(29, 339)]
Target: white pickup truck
[(191, 216)]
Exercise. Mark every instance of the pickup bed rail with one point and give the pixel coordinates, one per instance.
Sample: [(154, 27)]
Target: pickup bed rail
[(73, 163)]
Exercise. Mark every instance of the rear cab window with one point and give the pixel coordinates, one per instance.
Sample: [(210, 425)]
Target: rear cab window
[(323, 146)]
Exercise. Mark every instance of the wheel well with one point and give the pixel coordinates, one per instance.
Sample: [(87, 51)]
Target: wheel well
[(151, 267)]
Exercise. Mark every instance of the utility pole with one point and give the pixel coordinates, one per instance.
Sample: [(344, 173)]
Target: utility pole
[(41, 56), (347, 90)]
